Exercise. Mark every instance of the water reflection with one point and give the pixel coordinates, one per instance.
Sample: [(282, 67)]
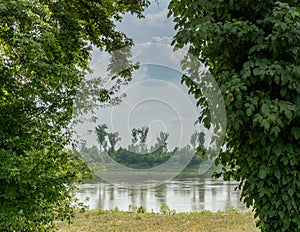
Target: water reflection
[(183, 195)]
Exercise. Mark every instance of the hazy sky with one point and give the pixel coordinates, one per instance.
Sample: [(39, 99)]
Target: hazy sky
[(155, 98)]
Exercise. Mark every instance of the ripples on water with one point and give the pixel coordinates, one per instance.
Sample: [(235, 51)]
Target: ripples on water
[(183, 195)]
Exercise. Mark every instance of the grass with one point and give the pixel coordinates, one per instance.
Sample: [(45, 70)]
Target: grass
[(114, 220)]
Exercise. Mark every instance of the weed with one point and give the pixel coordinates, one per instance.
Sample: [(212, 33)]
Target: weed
[(165, 209), (141, 209)]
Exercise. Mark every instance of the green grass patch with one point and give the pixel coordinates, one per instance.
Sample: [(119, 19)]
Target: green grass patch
[(115, 220)]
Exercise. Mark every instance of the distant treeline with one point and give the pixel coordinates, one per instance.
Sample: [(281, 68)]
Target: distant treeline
[(138, 155), (138, 160)]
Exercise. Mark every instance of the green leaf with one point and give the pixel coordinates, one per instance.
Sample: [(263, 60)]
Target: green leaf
[(296, 71), (285, 77), (277, 149), (296, 132), (275, 130), (285, 160), (295, 14), (277, 174), (294, 161), (262, 172), (249, 111), (265, 123), (281, 214), (285, 197), (291, 192)]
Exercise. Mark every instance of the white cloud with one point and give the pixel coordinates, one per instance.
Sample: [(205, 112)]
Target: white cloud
[(155, 23), (158, 18), (164, 40)]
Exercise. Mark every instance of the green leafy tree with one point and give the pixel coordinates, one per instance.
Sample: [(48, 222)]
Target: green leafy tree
[(134, 134), (197, 139), (252, 50), (44, 55), (143, 133), (201, 139), (133, 146), (193, 140), (139, 135), (113, 138), (101, 135), (161, 146)]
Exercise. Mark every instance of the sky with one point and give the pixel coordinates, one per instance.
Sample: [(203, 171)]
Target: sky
[(155, 97)]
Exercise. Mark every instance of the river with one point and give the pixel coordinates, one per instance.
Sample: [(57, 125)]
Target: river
[(181, 194)]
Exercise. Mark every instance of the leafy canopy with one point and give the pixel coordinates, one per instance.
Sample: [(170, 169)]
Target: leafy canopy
[(253, 51), (44, 54)]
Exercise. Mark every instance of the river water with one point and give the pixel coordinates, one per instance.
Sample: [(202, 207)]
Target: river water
[(181, 194)]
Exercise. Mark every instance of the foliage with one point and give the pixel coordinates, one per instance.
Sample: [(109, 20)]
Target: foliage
[(44, 54), (252, 49), (106, 138), (197, 139), (131, 157), (141, 209), (101, 135), (91, 156), (139, 134), (132, 208), (193, 140), (165, 209), (161, 146), (113, 138), (137, 160)]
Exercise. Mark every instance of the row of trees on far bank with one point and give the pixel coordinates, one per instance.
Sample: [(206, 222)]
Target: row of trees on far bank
[(138, 154)]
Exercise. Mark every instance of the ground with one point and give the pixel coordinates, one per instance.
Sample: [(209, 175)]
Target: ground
[(114, 220)]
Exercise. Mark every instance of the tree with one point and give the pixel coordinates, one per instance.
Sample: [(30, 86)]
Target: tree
[(133, 147), (113, 138), (143, 132), (139, 134), (161, 146), (44, 55), (201, 139), (101, 135), (193, 140), (252, 51), (197, 139)]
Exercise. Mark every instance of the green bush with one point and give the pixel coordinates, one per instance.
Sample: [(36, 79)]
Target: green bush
[(252, 50)]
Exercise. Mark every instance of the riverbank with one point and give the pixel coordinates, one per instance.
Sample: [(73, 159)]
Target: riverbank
[(188, 172), (115, 220)]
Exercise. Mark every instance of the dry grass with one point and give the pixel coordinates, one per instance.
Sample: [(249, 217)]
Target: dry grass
[(95, 220)]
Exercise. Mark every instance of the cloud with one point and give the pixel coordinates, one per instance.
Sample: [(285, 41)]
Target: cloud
[(161, 40), (155, 24), (158, 18)]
